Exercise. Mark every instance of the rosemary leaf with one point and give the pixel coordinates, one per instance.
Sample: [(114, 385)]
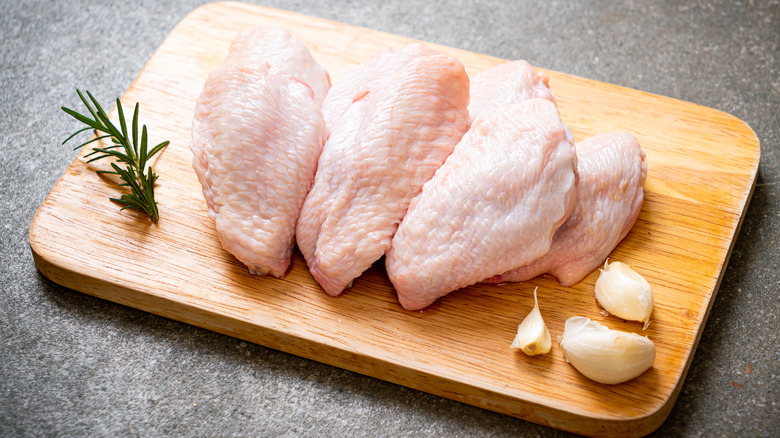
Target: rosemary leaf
[(86, 128), (135, 174), (90, 141)]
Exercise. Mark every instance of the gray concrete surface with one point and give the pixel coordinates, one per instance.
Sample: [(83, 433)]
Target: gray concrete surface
[(73, 365)]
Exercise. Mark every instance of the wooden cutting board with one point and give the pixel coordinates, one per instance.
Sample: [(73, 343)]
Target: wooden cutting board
[(702, 169)]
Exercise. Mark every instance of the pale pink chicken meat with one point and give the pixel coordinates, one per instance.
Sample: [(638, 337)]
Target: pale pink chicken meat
[(256, 136), (612, 170), (391, 127), (275, 46), (494, 204), (506, 84), (359, 80)]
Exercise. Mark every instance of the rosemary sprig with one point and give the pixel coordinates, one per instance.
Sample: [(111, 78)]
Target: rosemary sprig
[(132, 154)]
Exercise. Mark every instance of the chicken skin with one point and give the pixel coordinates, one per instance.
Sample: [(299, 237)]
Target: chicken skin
[(612, 170), (257, 134), (506, 84), (494, 205), (276, 47), (392, 123)]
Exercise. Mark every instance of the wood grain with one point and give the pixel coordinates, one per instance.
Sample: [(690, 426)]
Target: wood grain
[(702, 169)]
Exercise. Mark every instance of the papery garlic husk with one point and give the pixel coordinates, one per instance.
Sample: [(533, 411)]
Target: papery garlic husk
[(532, 334), (604, 355), (624, 293)]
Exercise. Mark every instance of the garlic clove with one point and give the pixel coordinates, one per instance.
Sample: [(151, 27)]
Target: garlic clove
[(604, 355), (532, 335), (624, 293)]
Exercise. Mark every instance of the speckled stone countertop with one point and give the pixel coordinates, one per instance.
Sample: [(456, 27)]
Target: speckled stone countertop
[(73, 365)]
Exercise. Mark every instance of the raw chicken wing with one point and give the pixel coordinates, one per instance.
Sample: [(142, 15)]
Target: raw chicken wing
[(256, 137), (390, 132), (612, 171), (494, 204)]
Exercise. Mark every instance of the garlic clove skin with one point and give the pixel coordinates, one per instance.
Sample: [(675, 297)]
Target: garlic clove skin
[(604, 355), (624, 293), (532, 335)]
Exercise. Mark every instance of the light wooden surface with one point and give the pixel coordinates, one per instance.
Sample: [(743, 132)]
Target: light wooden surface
[(702, 168)]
